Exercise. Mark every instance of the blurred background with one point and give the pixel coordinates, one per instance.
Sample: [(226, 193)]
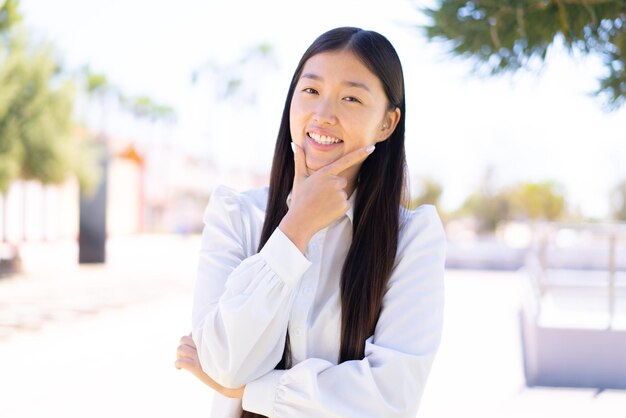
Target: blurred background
[(117, 120)]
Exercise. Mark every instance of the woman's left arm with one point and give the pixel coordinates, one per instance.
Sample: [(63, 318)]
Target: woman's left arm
[(390, 379), (187, 359)]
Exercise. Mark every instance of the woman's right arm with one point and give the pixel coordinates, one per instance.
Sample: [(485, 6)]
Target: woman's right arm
[(241, 304)]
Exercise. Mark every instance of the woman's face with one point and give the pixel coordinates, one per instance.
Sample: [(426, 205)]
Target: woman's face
[(338, 106)]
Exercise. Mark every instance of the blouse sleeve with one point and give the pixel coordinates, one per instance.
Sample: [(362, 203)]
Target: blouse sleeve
[(390, 379), (241, 303)]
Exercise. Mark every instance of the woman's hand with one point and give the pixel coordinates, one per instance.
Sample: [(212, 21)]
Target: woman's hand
[(187, 358), (319, 199)]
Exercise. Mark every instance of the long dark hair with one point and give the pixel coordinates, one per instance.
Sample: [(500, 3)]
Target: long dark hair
[(381, 191)]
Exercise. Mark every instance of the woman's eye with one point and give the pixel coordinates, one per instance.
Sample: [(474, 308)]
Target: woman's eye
[(310, 90), (351, 99)]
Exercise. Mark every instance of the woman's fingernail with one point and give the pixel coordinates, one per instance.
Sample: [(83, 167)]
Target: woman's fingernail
[(293, 147), (370, 148)]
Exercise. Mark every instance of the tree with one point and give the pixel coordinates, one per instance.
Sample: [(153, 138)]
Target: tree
[(36, 116), (37, 138), (144, 107), (487, 205), (9, 14), (10, 151), (504, 36), (535, 201), (47, 124), (101, 92), (36, 123), (489, 210)]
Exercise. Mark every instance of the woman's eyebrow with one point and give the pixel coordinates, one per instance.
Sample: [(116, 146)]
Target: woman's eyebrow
[(348, 83)]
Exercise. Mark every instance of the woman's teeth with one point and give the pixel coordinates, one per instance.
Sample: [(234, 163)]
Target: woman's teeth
[(321, 139)]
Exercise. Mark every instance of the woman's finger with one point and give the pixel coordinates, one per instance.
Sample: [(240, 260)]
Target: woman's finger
[(300, 172), (184, 351), (355, 157), (185, 364), (187, 340)]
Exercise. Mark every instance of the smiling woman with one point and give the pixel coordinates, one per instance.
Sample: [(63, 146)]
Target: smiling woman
[(322, 295), (339, 105)]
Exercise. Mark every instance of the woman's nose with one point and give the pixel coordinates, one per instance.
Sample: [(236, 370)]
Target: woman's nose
[(325, 113)]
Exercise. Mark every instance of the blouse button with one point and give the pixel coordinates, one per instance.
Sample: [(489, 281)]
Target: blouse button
[(297, 332)]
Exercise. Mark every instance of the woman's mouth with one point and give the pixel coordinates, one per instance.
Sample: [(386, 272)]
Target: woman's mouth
[(323, 139)]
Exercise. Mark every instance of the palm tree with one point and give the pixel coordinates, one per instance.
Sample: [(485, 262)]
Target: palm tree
[(504, 36)]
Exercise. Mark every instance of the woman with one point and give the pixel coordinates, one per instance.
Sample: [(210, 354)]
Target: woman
[(322, 295)]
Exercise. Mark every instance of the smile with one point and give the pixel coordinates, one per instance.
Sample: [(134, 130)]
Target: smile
[(324, 140)]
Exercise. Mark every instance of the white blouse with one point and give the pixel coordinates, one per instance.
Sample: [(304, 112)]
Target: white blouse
[(245, 300)]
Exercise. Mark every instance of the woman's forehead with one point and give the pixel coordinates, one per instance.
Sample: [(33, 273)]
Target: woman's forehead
[(343, 66)]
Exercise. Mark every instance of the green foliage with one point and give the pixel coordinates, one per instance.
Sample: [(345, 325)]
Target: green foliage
[(36, 115), (503, 36), (536, 201), (47, 124), (526, 200), (95, 84), (488, 209), (10, 155), (11, 149), (9, 14), (143, 107)]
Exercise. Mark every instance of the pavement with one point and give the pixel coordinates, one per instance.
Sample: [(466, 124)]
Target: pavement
[(100, 340)]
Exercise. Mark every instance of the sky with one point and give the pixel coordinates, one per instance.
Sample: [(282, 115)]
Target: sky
[(524, 126)]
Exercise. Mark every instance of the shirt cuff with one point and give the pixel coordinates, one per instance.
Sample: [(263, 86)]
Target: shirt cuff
[(259, 395), (284, 257)]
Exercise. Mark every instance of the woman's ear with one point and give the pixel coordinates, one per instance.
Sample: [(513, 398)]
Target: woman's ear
[(390, 122)]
